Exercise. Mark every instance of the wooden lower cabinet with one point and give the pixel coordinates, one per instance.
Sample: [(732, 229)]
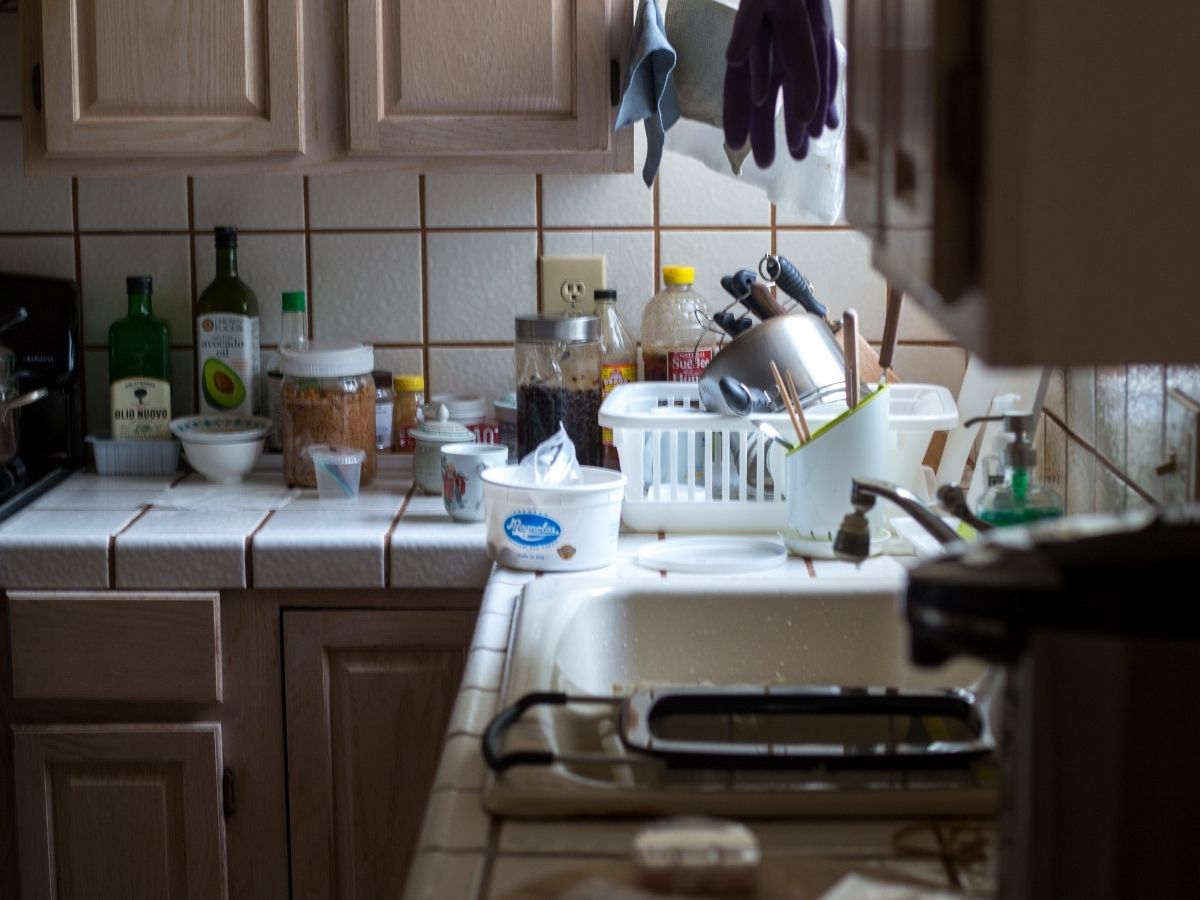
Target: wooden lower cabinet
[(120, 811), (368, 694)]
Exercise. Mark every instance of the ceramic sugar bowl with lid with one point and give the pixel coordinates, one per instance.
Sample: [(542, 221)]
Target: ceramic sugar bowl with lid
[(427, 455)]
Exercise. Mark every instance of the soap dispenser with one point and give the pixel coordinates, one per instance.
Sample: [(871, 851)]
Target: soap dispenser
[(1017, 499)]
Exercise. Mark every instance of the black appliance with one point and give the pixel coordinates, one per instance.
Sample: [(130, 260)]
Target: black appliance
[(1094, 622), (45, 344)]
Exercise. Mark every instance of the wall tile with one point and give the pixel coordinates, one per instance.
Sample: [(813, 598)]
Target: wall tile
[(132, 204), (690, 193), (367, 287), (30, 204), (713, 254), (1145, 405), (10, 64), (621, 199), (478, 282), (629, 264), (838, 263), (105, 263), (474, 201), (1081, 402), (931, 365), (269, 264), (915, 323), (385, 200), (95, 391), (183, 382), (50, 256), (248, 201), (400, 362), (488, 371)]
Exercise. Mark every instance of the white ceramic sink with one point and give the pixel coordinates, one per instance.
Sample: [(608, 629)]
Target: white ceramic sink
[(606, 639)]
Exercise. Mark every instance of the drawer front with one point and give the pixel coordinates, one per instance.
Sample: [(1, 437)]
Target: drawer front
[(116, 646)]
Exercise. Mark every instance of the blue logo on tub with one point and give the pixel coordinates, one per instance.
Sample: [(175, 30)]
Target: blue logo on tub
[(531, 530)]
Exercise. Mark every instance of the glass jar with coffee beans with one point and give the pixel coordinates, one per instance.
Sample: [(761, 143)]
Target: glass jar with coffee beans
[(558, 380)]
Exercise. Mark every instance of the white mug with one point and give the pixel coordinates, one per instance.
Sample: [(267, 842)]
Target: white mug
[(462, 487)]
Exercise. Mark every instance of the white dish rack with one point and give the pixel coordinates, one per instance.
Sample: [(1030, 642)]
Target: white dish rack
[(689, 470)]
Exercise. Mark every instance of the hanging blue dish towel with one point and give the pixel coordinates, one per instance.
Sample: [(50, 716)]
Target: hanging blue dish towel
[(649, 90)]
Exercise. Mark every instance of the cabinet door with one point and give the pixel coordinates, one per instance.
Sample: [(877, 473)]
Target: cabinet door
[(368, 695), (864, 114), (130, 811), (150, 79), (445, 77)]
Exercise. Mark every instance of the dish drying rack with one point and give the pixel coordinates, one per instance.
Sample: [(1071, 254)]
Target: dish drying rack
[(692, 471)]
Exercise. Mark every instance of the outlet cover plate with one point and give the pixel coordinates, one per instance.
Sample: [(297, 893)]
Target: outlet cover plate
[(584, 273)]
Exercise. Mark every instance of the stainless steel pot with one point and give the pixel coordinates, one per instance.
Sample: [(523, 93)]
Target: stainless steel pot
[(801, 344), (11, 400)]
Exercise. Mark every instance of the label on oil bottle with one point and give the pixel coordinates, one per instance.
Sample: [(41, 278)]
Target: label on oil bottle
[(611, 376), (141, 409), (228, 362)]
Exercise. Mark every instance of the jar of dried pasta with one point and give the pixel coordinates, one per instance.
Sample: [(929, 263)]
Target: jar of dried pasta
[(328, 397)]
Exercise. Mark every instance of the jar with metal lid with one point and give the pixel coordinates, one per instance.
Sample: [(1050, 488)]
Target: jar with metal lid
[(410, 398), (558, 380), (328, 398), (385, 403)]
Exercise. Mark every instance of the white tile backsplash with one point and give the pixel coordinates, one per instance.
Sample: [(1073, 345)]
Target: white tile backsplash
[(931, 365), (474, 201), (29, 204), (478, 281), (367, 287), (489, 372), (269, 264), (385, 200), (838, 263), (629, 264), (690, 193), (590, 200), (105, 263), (50, 256), (248, 201), (713, 254), (400, 362), (133, 204)]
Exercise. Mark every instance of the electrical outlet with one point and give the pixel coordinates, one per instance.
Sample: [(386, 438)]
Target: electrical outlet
[(568, 283)]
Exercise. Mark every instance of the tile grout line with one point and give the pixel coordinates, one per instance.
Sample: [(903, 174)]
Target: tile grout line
[(112, 544), (191, 220), (656, 225), (424, 285), (248, 547), (539, 223), (387, 538), (1103, 459), (308, 281)]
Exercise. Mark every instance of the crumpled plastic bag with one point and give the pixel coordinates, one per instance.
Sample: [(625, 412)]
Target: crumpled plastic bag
[(552, 462)]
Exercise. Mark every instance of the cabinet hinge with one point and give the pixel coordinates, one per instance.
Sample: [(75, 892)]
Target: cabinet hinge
[(37, 87), (614, 82), (228, 792)]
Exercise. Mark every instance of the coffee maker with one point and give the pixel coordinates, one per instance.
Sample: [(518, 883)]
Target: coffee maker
[(43, 339)]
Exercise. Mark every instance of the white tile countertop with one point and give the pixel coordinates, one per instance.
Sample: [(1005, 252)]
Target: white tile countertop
[(181, 533)]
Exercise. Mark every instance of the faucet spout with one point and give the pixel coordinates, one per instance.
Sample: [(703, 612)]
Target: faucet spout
[(853, 539)]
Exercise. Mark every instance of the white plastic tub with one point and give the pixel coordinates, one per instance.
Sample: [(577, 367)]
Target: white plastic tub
[(115, 457), (687, 471), (553, 529)]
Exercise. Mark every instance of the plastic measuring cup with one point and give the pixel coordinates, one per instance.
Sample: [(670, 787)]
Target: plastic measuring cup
[(338, 470)]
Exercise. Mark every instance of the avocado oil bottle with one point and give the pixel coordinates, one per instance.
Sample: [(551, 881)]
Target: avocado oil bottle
[(139, 369), (227, 354)]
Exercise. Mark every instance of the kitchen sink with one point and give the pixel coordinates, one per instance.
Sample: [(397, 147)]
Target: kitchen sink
[(612, 639)]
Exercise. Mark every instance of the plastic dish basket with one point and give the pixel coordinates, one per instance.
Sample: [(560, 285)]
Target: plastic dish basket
[(689, 470)]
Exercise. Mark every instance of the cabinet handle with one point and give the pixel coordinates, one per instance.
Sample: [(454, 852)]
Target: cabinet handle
[(228, 792), (37, 87)]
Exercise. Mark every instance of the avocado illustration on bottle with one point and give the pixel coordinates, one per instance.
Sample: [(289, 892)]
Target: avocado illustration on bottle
[(227, 336)]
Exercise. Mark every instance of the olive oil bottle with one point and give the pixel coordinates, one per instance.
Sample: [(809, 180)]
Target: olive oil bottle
[(139, 368), (227, 351)]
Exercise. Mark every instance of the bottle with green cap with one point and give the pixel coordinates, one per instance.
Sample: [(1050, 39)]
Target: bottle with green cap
[(227, 350), (293, 336), (139, 369)]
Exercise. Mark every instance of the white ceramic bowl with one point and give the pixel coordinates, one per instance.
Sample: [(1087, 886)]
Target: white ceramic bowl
[(220, 429), (225, 463)]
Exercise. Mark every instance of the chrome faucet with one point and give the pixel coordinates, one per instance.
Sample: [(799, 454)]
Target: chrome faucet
[(853, 541)]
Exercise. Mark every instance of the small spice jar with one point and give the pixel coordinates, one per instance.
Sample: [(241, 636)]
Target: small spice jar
[(432, 434), (410, 398), (558, 380), (385, 403), (328, 397)]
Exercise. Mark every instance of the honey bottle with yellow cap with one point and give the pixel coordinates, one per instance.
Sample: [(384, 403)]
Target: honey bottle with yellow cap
[(676, 341)]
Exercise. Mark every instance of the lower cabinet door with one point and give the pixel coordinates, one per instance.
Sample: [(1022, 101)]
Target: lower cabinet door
[(368, 695), (120, 811)]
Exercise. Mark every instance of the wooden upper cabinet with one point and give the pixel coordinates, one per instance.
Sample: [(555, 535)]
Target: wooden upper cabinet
[(477, 76), (203, 77)]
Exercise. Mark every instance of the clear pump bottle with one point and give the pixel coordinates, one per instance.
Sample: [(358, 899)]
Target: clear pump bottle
[(1018, 499)]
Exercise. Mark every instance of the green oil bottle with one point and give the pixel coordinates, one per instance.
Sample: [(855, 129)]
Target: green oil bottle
[(139, 369)]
